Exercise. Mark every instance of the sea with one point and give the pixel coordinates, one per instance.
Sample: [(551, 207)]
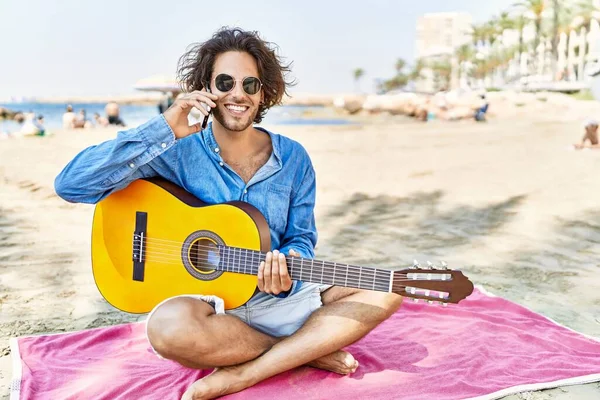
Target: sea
[(135, 115)]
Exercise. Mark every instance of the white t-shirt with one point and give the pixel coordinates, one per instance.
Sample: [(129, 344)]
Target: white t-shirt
[(68, 119)]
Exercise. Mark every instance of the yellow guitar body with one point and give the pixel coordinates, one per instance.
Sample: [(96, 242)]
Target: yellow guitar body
[(173, 218)]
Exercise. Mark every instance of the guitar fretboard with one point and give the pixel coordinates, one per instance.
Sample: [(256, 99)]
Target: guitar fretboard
[(244, 261)]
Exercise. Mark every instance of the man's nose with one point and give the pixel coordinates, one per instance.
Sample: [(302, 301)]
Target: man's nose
[(238, 90)]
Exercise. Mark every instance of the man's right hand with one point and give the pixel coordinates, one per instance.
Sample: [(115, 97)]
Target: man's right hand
[(177, 114)]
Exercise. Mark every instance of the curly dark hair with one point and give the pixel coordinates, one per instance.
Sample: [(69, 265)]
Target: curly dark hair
[(195, 67)]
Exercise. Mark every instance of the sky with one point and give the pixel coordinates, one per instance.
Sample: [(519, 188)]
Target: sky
[(81, 47)]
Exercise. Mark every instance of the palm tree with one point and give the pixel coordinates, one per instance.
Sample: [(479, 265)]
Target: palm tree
[(415, 74), (536, 9), (358, 73), (400, 64), (586, 10), (442, 71), (478, 35), (464, 54), (505, 21)]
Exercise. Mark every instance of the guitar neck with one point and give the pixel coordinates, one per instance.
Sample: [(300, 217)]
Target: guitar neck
[(244, 261)]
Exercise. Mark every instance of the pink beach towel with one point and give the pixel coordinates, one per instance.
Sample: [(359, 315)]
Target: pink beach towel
[(484, 348)]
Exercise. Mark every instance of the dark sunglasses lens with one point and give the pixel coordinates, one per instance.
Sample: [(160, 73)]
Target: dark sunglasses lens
[(251, 85), (224, 82)]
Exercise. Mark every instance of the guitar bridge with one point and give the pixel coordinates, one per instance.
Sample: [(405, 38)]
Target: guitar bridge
[(139, 245)]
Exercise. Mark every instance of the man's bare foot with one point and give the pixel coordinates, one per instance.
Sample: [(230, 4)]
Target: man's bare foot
[(221, 381), (340, 362), (227, 380)]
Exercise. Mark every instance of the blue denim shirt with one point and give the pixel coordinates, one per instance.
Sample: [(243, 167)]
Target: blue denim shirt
[(283, 189)]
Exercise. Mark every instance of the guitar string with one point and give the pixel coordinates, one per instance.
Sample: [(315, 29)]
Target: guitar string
[(294, 270), (230, 256), (329, 274), (382, 285), (236, 252)]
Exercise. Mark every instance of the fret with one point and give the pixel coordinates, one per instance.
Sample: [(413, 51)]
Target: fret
[(232, 251), (312, 267), (334, 264), (233, 264), (226, 265), (229, 263), (346, 280), (245, 261), (374, 276), (301, 261), (322, 270), (359, 275)]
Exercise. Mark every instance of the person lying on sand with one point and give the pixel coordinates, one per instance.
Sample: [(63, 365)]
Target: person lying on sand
[(591, 134), (232, 160)]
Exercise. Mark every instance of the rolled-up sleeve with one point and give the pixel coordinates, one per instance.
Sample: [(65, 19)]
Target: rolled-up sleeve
[(100, 170)]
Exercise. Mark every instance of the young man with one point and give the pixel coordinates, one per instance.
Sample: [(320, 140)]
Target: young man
[(286, 324)]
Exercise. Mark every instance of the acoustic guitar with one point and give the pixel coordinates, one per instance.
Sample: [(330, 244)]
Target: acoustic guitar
[(154, 240)]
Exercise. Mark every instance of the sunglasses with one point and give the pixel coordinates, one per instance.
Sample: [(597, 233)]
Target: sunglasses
[(225, 83)]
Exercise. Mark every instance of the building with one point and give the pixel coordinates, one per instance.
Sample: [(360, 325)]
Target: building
[(441, 33)]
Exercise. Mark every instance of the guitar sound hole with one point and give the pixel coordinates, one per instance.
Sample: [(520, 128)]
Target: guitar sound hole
[(204, 255), (200, 255)]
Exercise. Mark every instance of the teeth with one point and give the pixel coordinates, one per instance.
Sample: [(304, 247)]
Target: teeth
[(236, 108)]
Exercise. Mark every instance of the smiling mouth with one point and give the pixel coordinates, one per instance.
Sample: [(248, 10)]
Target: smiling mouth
[(236, 109)]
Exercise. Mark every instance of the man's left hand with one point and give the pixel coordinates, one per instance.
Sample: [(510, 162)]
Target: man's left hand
[(273, 275)]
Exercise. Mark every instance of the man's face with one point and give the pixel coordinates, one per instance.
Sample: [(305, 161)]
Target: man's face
[(239, 65)]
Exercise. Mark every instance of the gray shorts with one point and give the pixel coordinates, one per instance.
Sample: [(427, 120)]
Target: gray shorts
[(271, 315)]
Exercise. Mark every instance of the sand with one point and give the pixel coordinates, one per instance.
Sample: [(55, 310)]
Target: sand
[(507, 202)]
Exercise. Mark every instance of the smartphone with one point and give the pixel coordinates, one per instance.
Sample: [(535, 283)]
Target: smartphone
[(205, 122)]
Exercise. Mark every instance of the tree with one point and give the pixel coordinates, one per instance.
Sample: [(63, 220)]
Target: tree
[(535, 8), (464, 54), (586, 10), (358, 74)]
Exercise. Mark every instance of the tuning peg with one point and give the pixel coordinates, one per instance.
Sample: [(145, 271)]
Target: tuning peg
[(429, 265), (444, 304), (416, 264), (430, 301), (415, 300), (444, 265)]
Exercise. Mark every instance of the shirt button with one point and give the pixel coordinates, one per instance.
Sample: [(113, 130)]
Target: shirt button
[(245, 190), (216, 149), (132, 165), (163, 145), (221, 163)]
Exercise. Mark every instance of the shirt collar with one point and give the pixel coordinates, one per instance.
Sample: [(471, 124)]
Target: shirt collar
[(211, 143)]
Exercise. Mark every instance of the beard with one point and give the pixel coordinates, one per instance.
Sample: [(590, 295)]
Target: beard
[(233, 123)]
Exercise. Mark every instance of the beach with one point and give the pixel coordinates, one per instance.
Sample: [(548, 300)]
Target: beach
[(508, 202)]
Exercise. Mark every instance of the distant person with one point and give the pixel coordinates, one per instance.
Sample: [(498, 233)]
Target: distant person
[(81, 120), (165, 103), (68, 118), (112, 113), (591, 134), (100, 121), (482, 111), (39, 123), (33, 125)]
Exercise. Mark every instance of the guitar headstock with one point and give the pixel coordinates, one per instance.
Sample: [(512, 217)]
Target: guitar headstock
[(432, 283)]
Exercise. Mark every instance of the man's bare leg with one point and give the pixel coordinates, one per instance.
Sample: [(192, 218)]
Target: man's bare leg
[(347, 316), (189, 332)]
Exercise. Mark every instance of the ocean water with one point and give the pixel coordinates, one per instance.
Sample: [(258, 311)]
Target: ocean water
[(134, 115)]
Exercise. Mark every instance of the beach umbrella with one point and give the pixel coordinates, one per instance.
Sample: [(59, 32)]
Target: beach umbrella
[(158, 83)]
